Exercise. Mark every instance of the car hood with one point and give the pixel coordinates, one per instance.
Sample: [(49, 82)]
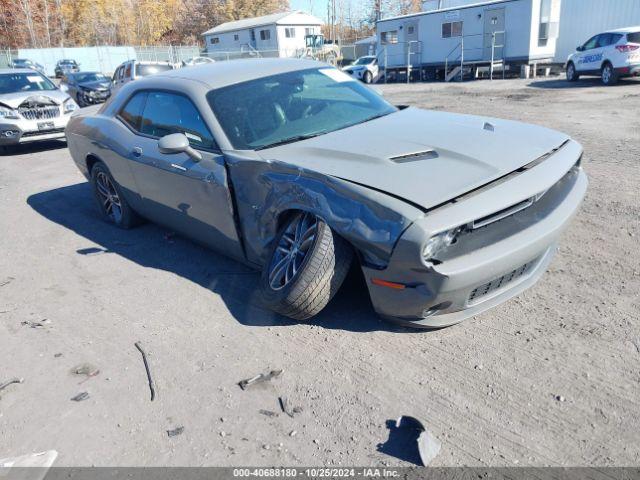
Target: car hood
[(424, 157), (14, 100), (96, 85)]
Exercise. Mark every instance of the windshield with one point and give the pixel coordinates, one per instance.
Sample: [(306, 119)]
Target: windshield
[(24, 82), (291, 106), (89, 77), (67, 62), (144, 70), (365, 60)]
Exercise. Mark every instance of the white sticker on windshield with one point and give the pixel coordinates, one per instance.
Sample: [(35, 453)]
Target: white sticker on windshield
[(34, 79), (337, 75), (193, 137)]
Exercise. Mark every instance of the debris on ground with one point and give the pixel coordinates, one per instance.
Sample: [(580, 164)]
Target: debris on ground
[(57, 355), (293, 433), (268, 413), (284, 405), (11, 382), (560, 398), (263, 377), (92, 251), (6, 281), (41, 324), (80, 397), (152, 386), (86, 369), (428, 445), (175, 432), (410, 441)]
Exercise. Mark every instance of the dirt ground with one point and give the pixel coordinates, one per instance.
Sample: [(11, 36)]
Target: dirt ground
[(549, 378)]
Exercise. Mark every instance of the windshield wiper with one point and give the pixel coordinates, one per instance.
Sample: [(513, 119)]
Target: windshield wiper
[(284, 141)]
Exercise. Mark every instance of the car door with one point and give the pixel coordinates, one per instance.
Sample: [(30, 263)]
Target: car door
[(190, 196), (591, 55)]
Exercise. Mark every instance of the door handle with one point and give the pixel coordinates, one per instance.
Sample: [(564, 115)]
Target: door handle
[(137, 152)]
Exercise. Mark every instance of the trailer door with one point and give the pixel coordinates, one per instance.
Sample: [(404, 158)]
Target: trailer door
[(494, 24), (412, 48)]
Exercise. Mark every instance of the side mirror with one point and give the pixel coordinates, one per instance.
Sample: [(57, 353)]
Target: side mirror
[(580, 48), (178, 143)]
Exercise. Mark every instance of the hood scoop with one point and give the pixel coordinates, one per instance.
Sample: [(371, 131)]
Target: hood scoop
[(415, 156)]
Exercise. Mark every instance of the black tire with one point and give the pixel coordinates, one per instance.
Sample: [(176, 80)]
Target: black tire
[(319, 275), (572, 75), (114, 209), (367, 77), (608, 75)]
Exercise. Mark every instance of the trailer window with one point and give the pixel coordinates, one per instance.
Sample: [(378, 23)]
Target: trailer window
[(389, 37), (452, 29)]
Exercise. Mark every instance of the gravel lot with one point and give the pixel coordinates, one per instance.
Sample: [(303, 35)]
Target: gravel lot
[(549, 378)]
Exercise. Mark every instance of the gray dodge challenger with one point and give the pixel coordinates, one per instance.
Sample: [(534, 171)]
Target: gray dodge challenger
[(293, 167)]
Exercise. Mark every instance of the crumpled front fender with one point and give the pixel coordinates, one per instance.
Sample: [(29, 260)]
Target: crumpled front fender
[(265, 190)]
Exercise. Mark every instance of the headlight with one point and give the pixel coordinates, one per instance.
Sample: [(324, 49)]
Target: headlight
[(438, 243), (70, 105), (8, 113)]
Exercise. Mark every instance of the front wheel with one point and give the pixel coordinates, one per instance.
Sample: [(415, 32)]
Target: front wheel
[(111, 203), (572, 75), (368, 77), (307, 266), (609, 75)]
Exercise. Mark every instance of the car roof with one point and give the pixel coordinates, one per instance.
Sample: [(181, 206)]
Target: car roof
[(625, 30), (221, 74)]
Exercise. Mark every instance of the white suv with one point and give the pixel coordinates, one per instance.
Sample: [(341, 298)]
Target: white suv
[(610, 55), (134, 69)]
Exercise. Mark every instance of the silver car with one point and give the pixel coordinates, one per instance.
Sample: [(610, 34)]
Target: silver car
[(295, 168), (32, 108)]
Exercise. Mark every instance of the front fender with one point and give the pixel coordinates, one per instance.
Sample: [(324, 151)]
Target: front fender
[(264, 190)]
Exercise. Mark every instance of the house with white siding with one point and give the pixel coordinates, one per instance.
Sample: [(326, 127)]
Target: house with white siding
[(278, 35)]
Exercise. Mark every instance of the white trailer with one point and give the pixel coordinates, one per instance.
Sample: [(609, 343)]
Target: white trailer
[(470, 38)]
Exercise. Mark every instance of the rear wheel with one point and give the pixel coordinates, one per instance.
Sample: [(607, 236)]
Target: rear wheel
[(307, 265), (572, 75), (609, 75), (111, 203)]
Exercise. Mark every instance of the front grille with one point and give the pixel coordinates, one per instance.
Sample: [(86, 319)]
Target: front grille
[(43, 132), (40, 113), (500, 282)]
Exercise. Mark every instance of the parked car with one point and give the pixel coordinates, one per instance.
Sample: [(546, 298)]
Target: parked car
[(87, 88), (610, 55), (197, 61), (26, 63), (63, 67), (133, 69), (293, 167), (32, 108), (364, 68)]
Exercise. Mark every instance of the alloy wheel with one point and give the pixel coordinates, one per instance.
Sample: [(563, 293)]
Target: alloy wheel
[(606, 74), (109, 197), (293, 246)]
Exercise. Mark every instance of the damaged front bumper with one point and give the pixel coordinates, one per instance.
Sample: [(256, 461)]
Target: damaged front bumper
[(488, 265)]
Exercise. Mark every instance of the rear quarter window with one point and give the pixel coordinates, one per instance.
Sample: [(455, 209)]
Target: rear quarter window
[(633, 37), (131, 113)]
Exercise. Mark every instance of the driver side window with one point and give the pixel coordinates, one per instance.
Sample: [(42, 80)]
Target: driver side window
[(592, 43), (166, 113)]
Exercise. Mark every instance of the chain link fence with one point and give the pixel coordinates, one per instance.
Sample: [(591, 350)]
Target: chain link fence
[(107, 58)]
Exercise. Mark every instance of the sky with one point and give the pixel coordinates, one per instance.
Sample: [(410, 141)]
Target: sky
[(315, 7)]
